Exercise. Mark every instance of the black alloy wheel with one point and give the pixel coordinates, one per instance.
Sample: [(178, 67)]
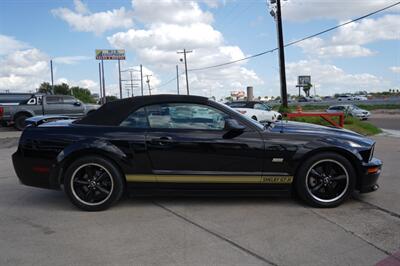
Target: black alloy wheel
[(325, 180), (93, 183)]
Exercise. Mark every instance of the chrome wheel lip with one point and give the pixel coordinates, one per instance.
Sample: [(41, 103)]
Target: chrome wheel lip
[(76, 195), (335, 198)]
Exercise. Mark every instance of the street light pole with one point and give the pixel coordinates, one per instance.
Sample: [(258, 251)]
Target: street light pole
[(119, 79), (52, 79), (186, 72), (177, 79), (141, 78), (100, 83)]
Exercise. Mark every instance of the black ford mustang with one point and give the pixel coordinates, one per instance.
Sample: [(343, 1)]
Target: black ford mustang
[(191, 143)]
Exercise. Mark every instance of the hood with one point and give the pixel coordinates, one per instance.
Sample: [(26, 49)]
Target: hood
[(321, 131)]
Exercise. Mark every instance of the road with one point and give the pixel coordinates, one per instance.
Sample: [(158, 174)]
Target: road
[(41, 227)]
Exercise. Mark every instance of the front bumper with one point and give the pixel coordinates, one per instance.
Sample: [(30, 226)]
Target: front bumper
[(369, 176)]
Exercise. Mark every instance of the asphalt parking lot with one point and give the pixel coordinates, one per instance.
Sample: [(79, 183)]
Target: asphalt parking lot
[(41, 227)]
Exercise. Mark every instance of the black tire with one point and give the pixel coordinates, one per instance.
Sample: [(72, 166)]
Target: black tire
[(101, 176), (316, 184), (254, 117), (19, 121)]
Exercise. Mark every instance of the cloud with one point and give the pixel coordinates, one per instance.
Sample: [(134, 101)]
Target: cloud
[(9, 44), (70, 60), (395, 69), (168, 37), (175, 25), (305, 10), (23, 70), (171, 11), (81, 19), (330, 79), (348, 41)]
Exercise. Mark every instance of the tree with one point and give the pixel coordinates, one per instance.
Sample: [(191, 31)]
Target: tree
[(45, 87), (307, 88), (62, 89), (111, 98), (82, 94)]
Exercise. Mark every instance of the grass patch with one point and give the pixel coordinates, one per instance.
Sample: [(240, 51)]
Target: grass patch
[(351, 123), (323, 107)]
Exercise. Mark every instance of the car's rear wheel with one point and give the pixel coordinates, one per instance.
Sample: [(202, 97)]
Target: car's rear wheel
[(93, 183), (325, 180), (20, 121)]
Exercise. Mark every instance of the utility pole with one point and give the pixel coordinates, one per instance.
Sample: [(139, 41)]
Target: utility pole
[(52, 79), (119, 79), (177, 79), (278, 18), (141, 78), (186, 72), (131, 80), (148, 83), (101, 90), (131, 73), (104, 83)]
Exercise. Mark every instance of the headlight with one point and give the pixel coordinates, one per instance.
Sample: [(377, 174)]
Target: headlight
[(371, 154), (353, 144)]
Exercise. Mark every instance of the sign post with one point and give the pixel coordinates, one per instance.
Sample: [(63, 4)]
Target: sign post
[(304, 82), (106, 54)]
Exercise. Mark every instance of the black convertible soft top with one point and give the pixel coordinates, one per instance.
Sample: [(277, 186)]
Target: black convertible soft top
[(113, 113)]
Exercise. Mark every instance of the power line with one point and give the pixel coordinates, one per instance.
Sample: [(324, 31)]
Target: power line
[(286, 45), (299, 40)]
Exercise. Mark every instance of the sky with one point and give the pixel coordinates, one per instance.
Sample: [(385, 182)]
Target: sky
[(364, 55)]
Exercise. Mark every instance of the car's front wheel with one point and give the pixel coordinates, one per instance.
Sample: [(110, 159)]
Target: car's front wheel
[(325, 180), (93, 183)]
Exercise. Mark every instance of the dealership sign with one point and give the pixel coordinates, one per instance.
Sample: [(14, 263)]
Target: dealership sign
[(110, 54), (303, 81)]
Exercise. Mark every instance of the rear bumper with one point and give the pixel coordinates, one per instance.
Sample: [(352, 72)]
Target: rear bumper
[(34, 172), (369, 177)]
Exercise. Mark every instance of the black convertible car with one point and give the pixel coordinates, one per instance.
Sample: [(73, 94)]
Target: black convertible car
[(191, 143)]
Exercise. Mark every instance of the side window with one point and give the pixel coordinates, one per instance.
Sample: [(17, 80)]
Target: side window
[(69, 100), (53, 100), (137, 119), (185, 116)]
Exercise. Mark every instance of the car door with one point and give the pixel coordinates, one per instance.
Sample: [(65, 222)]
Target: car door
[(73, 107), (53, 105), (188, 143)]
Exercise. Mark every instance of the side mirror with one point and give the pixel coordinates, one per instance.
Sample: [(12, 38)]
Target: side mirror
[(233, 125), (233, 129), (77, 103)]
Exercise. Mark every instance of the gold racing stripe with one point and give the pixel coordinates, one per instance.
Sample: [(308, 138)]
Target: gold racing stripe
[(211, 179)]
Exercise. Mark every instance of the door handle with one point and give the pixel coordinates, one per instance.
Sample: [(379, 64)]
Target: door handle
[(162, 140)]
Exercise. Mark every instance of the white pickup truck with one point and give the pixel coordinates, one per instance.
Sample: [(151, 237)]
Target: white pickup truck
[(256, 110)]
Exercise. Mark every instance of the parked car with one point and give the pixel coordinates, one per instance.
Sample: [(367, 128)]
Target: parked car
[(14, 98), (44, 105), (256, 110), (360, 98), (350, 109), (345, 98), (148, 142), (314, 99)]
